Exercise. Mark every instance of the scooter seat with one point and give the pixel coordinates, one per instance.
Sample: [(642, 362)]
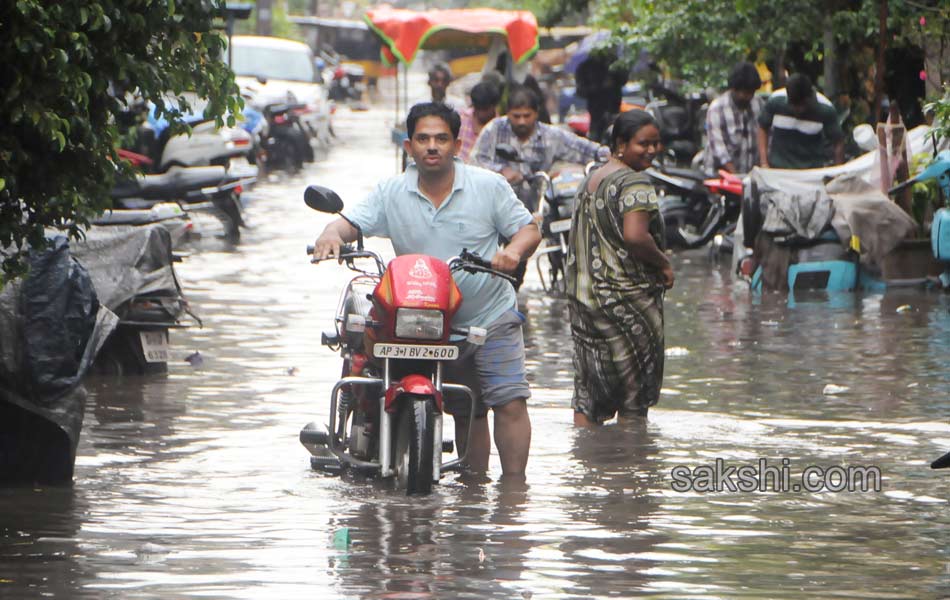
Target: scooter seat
[(174, 183)]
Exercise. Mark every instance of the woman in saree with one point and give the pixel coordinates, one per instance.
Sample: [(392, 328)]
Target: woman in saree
[(617, 274)]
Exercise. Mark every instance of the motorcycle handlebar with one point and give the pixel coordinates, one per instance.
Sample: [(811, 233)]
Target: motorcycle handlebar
[(346, 251), (473, 263), (466, 261)]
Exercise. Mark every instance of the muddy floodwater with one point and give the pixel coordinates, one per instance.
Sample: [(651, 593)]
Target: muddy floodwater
[(194, 484)]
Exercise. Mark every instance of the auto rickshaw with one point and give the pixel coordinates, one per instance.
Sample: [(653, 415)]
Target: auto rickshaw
[(508, 37)]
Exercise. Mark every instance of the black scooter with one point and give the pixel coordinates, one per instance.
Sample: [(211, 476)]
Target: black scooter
[(287, 144), (210, 189)]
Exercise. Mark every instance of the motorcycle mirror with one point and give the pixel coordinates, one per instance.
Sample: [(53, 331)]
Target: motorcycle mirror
[(507, 152), (322, 199), (326, 200)]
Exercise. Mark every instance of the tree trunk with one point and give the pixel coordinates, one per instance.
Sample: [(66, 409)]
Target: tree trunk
[(830, 61), (879, 69)]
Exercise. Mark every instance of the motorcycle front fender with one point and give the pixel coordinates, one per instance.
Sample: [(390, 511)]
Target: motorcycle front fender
[(416, 386)]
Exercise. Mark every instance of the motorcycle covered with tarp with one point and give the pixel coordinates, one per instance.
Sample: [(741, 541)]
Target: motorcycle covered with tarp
[(134, 276), (52, 326), (830, 229)]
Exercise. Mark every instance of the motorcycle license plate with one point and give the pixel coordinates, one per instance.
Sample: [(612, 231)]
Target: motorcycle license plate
[(412, 351), (561, 226), (154, 345)]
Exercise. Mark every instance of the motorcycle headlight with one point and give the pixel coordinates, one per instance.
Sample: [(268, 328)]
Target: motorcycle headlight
[(419, 324)]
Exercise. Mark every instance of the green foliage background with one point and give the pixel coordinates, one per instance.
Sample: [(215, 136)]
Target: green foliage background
[(64, 68)]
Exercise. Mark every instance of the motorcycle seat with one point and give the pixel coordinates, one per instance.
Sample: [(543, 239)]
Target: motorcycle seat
[(174, 183), (685, 173)]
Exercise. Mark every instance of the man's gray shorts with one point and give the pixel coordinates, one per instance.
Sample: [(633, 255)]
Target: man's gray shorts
[(494, 371)]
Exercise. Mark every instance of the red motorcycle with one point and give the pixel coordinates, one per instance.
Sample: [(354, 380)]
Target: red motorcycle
[(393, 326)]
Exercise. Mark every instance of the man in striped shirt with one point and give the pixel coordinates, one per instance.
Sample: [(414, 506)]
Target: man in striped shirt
[(732, 123), (803, 126)]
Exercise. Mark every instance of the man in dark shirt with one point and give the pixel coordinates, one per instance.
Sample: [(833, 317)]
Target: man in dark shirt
[(600, 80), (796, 127)]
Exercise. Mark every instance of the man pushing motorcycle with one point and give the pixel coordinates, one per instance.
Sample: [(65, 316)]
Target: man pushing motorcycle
[(440, 206)]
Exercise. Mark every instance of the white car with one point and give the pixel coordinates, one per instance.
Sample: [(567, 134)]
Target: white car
[(273, 70)]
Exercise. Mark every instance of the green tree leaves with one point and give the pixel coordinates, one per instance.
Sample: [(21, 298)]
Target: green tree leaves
[(65, 71)]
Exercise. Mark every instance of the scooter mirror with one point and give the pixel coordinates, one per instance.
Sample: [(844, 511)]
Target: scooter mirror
[(322, 199), (507, 152)]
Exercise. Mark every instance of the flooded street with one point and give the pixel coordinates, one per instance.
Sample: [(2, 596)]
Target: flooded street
[(194, 484)]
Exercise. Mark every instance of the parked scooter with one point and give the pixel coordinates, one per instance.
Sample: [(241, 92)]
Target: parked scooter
[(287, 144), (194, 188), (938, 169), (392, 330), (133, 274), (255, 124), (169, 215), (725, 198), (207, 144), (685, 203)]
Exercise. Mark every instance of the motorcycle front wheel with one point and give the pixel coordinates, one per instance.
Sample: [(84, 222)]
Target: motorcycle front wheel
[(414, 445)]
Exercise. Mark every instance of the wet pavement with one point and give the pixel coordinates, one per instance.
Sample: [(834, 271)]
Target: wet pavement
[(194, 484)]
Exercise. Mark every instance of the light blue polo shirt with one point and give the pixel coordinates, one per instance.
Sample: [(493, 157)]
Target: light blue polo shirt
[(480, 206)]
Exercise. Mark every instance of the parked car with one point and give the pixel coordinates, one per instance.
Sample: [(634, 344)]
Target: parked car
[(273, 70)]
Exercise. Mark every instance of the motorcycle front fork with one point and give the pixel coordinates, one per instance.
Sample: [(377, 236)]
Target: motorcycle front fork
[(384, 424)]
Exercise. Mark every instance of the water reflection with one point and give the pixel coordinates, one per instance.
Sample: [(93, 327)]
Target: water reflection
[(611, 493), (40, 549), (465, 541)]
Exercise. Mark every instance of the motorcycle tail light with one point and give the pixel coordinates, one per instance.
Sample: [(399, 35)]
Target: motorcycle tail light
[(419, 324)]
